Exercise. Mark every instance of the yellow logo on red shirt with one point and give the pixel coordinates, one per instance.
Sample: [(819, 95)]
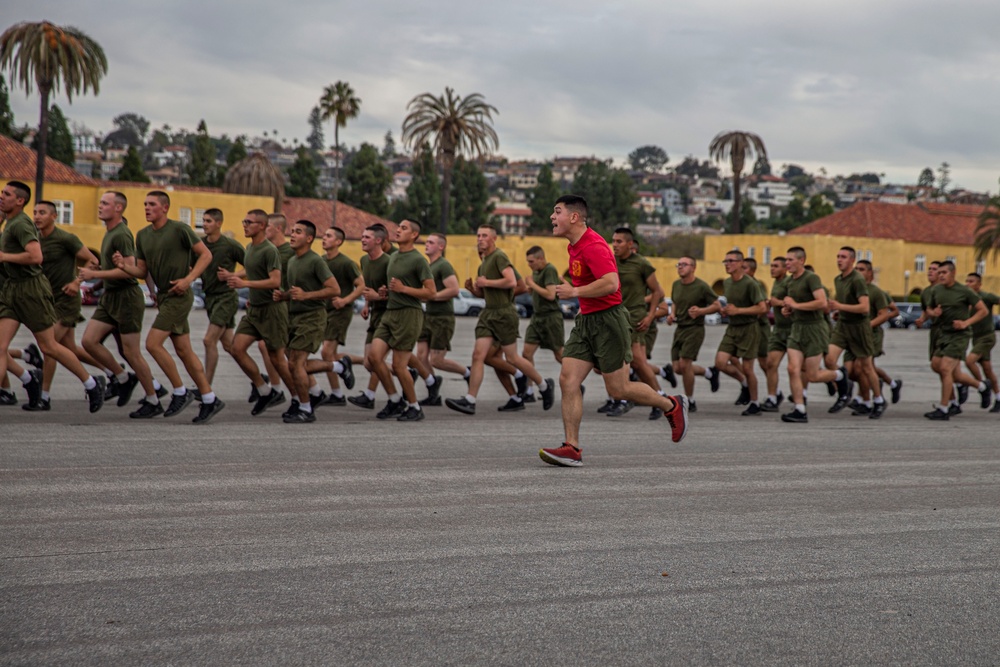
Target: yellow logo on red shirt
[(576, 269)]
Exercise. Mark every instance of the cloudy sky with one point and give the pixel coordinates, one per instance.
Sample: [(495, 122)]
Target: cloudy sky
[(885, 86)]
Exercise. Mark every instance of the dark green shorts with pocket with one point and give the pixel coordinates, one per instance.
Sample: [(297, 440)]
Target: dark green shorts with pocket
[(546, 331), (337, 323), (602, 338), (172, 313), (982, 345), (400, 328), (809, 338), (437, 331), (306, 330), (687, 343), (221, 309), (68, 309), (741, 340), (952, 344), (267, 323), (778, 340), (122, 309), (500, 324), (28, 301), (855, 338)]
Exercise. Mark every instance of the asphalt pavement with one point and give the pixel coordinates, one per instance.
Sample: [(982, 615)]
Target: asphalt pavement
[(448, 542)]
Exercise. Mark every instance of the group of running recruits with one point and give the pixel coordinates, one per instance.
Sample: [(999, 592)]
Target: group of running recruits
[(300, 303)]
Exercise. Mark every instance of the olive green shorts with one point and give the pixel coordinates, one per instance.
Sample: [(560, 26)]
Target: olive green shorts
[(68, 308), (221, 309), (437, 331), (635, 316), (982, 345), (778, 340), (172, 313), (741, 340), (809, 338), (122, 309), (855, 338), (374, 317), (338, 322), (765, 336), (952, 345), (933, 341), (500, 324), (267, 323), (602, 338), (687, 343), (651, 334), (29, 302), (878, 337), (306, 329), (546, 331), (400, 328)]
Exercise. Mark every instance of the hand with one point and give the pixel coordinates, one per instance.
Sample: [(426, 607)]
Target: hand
[(223, 274), (832, 304), (960, 325), (118, 260), (383, 292), (71, 288), (297, 294), (786, 311), (644, 323), (364, 312), (235, 281), (789, 305), (468, 284), (673, 320), (481, 281), (529, 282), (565, 291), (729, 309), (277, 295), (86, 273), (179, 286), (396, 285), (338, 302)]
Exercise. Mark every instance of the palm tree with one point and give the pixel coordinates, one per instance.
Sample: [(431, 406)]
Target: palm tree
[(988, 230), (339, 104), (737, 146), (255, 175), (453, 126), (50, 57)]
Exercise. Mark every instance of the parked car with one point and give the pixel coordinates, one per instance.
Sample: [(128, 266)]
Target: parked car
[(243, 294), (466, 303), (148, 298), (569, 307), (91, 291), (524, 304), (909, 313), (718, 318)]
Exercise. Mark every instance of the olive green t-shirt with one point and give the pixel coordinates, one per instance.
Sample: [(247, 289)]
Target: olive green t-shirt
[(285, 253), (743, 293), (632, 275), (118, 240), (441, 269), (167, 252), (412, 269), (955, 301), (375, 275), (801, 290), (698, 293), (877, 300), (925, 303), (492, 268), (984, 327), (259, 261), (849, 290), (779, 290), (226, 254), (307, 271), (346, 272), (59, 258), (17, 234), (547, 276)]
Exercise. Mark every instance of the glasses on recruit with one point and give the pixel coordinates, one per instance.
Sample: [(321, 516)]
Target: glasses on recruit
[(252, 222), (731, 261), (683, 264)]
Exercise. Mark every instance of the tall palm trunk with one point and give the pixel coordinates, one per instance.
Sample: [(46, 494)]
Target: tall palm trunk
[(336, 171), (43, 142), (737, 226)]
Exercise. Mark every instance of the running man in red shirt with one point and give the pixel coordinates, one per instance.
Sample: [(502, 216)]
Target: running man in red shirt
[(601, 335)]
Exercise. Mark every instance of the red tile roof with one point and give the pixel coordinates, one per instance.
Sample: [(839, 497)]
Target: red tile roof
[(319, 211), (925, 222), (17, 162)]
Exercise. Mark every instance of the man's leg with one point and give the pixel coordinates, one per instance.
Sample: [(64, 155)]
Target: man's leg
[(184, 350), (572, 375), (299, 377), (213, 335), (329, 353)]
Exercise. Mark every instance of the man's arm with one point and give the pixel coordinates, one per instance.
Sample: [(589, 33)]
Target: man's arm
[(655, 297), (606, 284), (32, 255), (507, 281), (818, 302), (330, 289), (181, 285), (979, 314), (341, 301)]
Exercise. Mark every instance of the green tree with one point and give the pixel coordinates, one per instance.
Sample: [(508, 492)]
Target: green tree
[(130, 130), (470, 193), (388, 147), (201, 168), (51, 57), (423, 194), (610, 196), (60, 144), (303, 176), (737, 147), (819, 207), (987, 239), (315, 138), (541, 199), (453, 126), (648, 158), (926, 179), (681, 245), (132, 171), (762, 167), (7, 127), (237, 152), (794, 214), (339, 104), (367, 180)]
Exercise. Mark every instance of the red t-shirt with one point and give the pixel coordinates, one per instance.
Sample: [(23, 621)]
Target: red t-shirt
[(589, 259)]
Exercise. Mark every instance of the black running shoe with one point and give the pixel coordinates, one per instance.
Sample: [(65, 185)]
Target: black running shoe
[(839, 404), (95, 396), (844, 384), (34, 387), (522, 384), (413, 373), (984, 398), (318, 399), (208, 410), (411, 415), (878, 409), (42, 405), (461, 405), (7, 397), (530, 398), (434, 391), (348, 374), (549, 395), (769, 406), (126, 388), (853, 405), (752, 410), (617, 410), (714, 380), (362, 401), (254, 394), (667, 371), (178, 403), (468, 375), (299, 417), (111, 389), (335, 400), (781, 397), (146, 410), (861, 410), (795, 417), (692, 406), (269, 401), (392, 409), (963, 394), (656, 413), (607, 407), (628, 405), (161, 392), (33, 355), (432, 402), (632, 375), (896, 391), (511, 405), (293, 408), (937, 415), (831, 388), (744, 398), (954, 410), (996, 406)]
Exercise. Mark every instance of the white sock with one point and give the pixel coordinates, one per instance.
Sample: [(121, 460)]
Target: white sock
[(89, 383), (415, 406), (315, 390), (337, 367), (263, 390), (772, 398), (430, 380), (337, 392), (26, 377), (153, 400), (943, 408), (893, 384), (208, 399), (530, 391), (180, 391), (305, 407), (982, 386), (122, 378), (743, 383), (518, 375), (839, 376), (801, 407), (369, 394), (469, 398), (156, 385), (515, 398), (708, 373), (543, 385), (45, 395), (467, 373), (395, 398)]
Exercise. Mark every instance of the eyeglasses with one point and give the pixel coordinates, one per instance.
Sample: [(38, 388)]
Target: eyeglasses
[(683, 264), (252, 222), (731, 261)]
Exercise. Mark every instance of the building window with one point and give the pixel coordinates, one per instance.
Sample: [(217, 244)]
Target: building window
[(64, 212), (199, 219), (868, 255), (751, 252), (185, 215), (767, 254), (920, 263), (981, 267), (951, 258)]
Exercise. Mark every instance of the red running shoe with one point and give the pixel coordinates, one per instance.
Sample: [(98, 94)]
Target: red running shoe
[(678, 418), (566, 455)]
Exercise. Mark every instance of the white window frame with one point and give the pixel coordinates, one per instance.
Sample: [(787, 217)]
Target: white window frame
[(184, 213), (920, 263), (751, 252), (981, 267), (767, 254), (199, 219), (64, 211)]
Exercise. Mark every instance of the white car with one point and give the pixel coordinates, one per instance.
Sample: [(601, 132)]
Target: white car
[(466, 303)]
